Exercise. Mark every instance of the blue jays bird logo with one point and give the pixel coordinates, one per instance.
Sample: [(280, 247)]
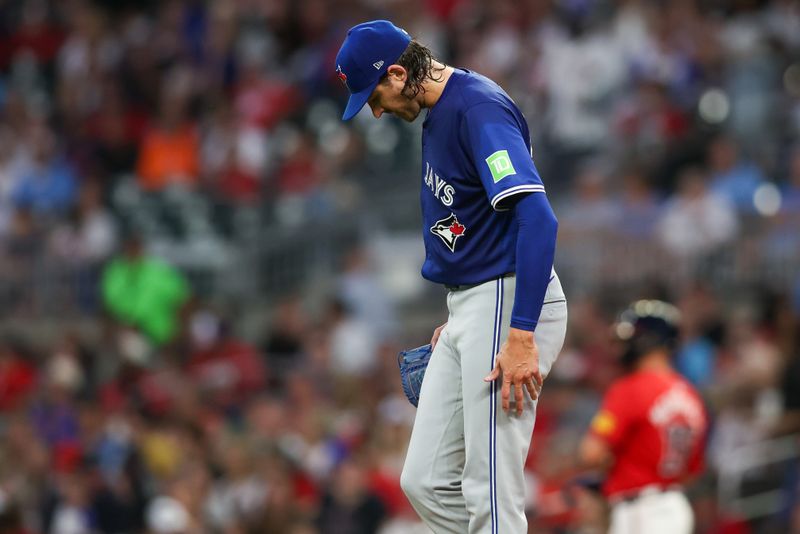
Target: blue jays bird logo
[(449, 230)]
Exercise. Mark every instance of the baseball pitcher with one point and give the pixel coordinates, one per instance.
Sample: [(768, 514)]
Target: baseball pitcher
[(490, 238)]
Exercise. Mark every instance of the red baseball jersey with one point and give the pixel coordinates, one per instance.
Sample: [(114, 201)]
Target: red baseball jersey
[(655, 424)]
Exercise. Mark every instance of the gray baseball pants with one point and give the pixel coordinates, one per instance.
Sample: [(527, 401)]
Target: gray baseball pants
[(464, 466)]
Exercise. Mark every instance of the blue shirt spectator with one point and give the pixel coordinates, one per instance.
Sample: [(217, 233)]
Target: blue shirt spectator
[(731, 176), (695, 361), (47, 188)]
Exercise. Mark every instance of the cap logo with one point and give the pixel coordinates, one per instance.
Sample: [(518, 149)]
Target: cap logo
[(377, 43), (341, 75)]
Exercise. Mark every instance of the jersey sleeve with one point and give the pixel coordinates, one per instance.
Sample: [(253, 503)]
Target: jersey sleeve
[(500, 153), (616, 416)]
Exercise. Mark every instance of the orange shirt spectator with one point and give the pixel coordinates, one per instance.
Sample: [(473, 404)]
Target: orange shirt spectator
[(168, 156)]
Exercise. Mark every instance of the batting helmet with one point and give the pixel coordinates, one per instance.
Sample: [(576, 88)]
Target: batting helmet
[(647, 325)]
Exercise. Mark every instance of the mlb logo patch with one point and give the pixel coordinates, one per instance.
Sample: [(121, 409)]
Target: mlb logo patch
[(449, 230)]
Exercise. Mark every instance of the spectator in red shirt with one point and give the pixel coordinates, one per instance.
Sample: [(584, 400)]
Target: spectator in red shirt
[(35, 35), (17, 378), (228, 370)]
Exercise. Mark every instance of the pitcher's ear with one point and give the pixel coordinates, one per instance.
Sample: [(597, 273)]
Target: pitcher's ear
[(397, 71)]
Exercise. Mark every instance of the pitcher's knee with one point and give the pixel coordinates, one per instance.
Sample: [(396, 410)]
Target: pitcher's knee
[(415, 485)]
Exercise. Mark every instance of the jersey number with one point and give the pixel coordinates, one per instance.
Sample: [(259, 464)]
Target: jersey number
[(677, 442)]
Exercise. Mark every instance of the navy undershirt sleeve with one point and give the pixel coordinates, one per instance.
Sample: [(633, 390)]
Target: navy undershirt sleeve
[(536, 247)]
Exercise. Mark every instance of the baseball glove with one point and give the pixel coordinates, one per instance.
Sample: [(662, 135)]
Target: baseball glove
[(412, 370)]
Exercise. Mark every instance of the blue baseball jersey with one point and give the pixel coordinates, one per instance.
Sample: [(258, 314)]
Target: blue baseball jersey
[(476, 156)]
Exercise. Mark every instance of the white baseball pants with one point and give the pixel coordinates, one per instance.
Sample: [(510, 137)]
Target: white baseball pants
[(656, 512), (464, 467)]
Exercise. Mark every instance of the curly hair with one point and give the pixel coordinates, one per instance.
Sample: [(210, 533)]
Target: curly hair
[(418, 61)]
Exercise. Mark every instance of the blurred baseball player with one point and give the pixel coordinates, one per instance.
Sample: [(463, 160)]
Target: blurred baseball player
[(650, 432), (490, 237)]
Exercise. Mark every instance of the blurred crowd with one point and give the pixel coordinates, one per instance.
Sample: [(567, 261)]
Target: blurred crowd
[(144, 142), (304, 429)]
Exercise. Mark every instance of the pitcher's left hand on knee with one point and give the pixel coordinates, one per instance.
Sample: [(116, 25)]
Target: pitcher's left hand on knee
[(518, 364)]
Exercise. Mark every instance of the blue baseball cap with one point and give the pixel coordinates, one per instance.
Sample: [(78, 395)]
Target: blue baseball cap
[(366, 53)]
